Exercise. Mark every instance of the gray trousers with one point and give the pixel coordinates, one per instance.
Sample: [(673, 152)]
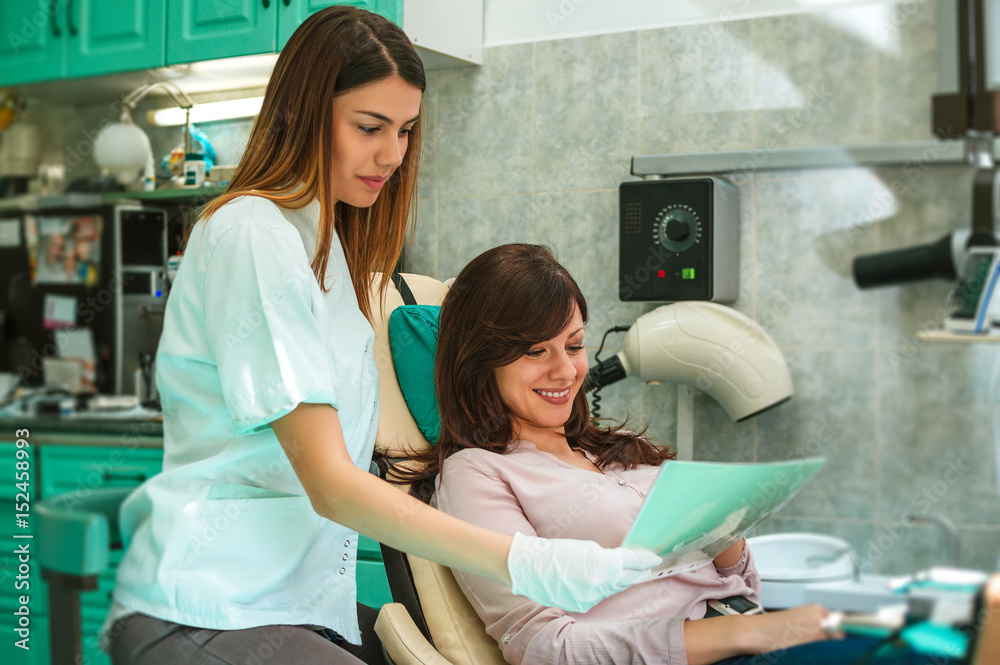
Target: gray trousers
[(140, 639)]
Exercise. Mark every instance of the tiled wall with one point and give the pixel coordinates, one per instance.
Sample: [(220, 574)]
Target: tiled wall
[(532, 146)]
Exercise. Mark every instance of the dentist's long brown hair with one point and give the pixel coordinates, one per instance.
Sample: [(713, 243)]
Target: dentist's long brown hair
[(505, 301), (335, 50)]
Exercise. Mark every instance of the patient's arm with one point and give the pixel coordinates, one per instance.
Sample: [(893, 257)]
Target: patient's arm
[(731, 556), (711, 640)]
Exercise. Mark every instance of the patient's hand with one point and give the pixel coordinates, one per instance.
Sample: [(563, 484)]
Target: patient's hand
[(716, 638), (775, 631)]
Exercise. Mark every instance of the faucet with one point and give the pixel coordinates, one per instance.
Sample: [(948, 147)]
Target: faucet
[(945, 524)]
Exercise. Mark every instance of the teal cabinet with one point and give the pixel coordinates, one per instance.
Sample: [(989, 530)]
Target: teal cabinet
[(115, 35), (293, 12), (33, 40), (200, 30), (52, 39)]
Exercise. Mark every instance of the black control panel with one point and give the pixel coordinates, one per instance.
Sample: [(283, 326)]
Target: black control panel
[(666, 240)]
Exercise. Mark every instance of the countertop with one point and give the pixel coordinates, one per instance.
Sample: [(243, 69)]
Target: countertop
[(83, 431)]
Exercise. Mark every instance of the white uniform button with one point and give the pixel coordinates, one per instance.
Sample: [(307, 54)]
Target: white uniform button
[(622, 483), (343, 570), (642, 494), (347, 543), (346, 556), (506, 639)]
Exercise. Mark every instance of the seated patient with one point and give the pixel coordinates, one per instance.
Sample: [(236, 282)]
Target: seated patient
[(518, 451)]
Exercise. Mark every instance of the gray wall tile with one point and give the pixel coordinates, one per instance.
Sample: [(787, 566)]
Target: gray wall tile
[(421, 250), (427, 176), (831, 415), (582, 228), (587, 111), (824, 307), (907, 56), (468, 227), (938, 453), (485, 135), (814, 78), (697, 88)]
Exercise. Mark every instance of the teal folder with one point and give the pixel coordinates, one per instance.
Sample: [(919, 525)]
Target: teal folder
[(697, 510)]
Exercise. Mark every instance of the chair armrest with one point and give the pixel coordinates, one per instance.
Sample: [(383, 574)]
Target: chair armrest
[(76, 529), (402, 639)]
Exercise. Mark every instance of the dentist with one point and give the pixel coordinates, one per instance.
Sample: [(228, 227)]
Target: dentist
[(243, 549)]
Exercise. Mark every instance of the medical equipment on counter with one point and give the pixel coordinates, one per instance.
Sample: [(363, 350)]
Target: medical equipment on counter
[(678, 239), (969, 114), (973, 305), (706, 346)]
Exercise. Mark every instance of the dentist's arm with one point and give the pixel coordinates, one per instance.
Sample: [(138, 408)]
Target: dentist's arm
[(312, 438), (571, 574)]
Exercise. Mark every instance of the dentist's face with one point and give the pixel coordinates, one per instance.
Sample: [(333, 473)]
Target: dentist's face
[(539, 387), (371, 132)]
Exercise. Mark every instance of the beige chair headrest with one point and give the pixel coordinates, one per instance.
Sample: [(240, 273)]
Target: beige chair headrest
[(398, 434)]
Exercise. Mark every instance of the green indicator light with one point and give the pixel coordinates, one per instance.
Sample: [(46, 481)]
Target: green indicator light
[(687, 273)]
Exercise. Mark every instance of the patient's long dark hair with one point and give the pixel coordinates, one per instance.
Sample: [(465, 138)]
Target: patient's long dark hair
[(502, 303)]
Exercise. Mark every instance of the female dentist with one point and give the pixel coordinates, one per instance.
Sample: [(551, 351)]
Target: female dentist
[(243, 548)]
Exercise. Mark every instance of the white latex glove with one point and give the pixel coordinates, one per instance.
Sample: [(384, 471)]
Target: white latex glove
[(574, 575)]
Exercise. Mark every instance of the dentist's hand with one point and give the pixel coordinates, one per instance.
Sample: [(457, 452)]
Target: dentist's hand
[(574, 575)]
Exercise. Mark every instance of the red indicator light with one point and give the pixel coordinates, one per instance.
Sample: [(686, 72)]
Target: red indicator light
[(662, 274)]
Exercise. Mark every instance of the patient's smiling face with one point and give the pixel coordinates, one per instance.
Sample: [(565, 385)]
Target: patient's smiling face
[(539, 387)]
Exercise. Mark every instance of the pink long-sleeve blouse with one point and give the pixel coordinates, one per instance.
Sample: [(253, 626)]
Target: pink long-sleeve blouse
[(536, 493)]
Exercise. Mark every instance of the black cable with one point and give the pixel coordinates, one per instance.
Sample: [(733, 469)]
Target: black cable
[(595, 409)]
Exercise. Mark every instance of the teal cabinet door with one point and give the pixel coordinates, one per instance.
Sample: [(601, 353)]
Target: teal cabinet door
[(293, 12), (210, 29), (107, 36), (32, 41)]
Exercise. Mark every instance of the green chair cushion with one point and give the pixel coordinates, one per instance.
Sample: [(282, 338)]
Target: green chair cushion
[(76, 529), (413, 339)]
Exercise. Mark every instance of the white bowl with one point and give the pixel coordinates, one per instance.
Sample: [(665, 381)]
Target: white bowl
[(787, 562)]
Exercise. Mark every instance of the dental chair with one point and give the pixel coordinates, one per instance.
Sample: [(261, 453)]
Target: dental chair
[(430, 622), (76, 531)]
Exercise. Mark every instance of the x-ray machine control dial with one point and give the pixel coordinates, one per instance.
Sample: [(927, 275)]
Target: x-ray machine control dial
[(677, 228)]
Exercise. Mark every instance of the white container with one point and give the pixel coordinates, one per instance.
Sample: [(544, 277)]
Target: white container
[(194, 170), (787, 562)]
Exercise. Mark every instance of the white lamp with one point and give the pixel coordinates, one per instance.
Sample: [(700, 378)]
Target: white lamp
[(123, 149)]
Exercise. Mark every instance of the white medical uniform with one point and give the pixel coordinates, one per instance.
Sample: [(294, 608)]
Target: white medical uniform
[(225, 538)]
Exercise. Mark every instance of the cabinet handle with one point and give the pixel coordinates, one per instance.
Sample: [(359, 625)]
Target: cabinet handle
[(52, 19), (111, 475), (69, 18)]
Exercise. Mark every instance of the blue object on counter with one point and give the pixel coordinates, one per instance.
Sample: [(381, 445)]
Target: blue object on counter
[(206, 149), (936, 640)]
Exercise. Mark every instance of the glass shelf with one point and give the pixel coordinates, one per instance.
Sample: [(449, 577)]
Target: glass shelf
[(170, 194), (954, 338)]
